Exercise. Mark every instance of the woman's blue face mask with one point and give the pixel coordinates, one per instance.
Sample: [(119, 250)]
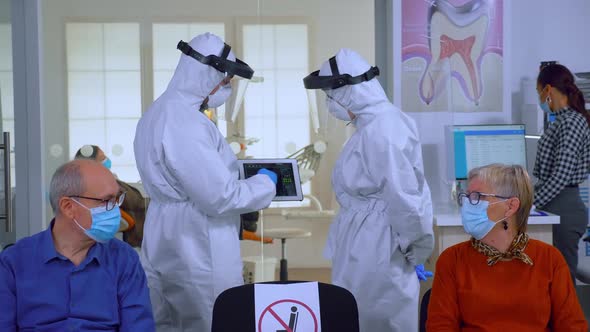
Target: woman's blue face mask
[(545, 104), (475, 218)]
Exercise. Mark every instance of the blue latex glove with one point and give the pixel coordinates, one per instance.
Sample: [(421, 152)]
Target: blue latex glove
[(270, 174), (422, 274)]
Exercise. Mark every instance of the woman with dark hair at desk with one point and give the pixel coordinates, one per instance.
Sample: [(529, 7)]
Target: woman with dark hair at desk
[(563, 159)]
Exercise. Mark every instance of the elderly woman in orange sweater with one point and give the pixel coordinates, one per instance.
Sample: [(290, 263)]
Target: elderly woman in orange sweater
[(501, 280)]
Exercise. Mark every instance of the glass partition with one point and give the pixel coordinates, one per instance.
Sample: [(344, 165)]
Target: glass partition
[(106, 63)]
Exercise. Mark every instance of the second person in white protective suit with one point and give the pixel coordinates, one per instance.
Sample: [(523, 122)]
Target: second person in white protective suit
[(190, 248), (383, 232)]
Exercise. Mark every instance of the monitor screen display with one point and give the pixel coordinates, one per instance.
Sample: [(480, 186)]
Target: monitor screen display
[(481, 145)]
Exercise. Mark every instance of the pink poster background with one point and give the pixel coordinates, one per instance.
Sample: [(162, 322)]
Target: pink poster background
[(415, 25), (415, 43)]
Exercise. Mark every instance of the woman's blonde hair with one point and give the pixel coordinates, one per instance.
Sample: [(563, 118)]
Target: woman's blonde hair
[(508, 181)]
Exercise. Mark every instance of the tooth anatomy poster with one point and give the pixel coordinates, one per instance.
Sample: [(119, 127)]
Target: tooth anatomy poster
[(452, 55)]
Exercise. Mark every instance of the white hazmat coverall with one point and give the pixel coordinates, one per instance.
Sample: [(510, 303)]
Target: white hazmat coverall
[(191, 250), (384, 227)]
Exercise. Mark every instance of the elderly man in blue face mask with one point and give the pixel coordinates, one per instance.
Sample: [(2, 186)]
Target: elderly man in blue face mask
[(133, 208), (75, 276)]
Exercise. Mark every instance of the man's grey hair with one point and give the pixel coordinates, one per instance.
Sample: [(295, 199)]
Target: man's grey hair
[(66, 181)]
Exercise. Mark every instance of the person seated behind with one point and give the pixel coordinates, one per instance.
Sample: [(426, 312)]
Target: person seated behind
[(134, 207), (248, 227), (501, 280), (74, 276)]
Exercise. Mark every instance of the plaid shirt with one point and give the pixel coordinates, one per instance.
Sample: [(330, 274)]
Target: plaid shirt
[(563, 156)]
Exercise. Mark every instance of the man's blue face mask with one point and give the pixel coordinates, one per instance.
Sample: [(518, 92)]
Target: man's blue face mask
[(105, 224)]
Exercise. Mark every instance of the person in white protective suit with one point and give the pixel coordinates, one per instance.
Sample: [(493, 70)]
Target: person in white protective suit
[(190, 249), (383, 232)]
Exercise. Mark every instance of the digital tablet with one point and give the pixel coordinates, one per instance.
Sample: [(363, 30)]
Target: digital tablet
[(287, 171)]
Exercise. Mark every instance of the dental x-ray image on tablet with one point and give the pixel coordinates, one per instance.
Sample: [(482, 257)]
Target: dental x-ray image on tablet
[(287, 171)]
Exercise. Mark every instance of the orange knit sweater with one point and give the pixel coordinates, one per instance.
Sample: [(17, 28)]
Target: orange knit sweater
[(469, 295)]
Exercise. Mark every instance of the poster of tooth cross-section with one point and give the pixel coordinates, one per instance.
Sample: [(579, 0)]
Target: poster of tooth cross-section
[(452, 55)]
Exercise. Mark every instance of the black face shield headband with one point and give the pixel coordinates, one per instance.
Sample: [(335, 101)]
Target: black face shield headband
[(315, 81), (221, 63)]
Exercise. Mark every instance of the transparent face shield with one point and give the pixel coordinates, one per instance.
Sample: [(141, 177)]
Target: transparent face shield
[(234, 104), (218, 96), (237, 73), (220, 63), (308, 157), (321, 121), (314, 81), (313, 110), (227, 115)]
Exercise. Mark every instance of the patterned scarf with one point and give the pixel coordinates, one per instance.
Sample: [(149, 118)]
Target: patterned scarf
[(516, 250)]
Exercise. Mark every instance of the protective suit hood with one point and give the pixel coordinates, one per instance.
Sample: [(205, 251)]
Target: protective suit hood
[(384, 225), (356, 98), (192, 80)]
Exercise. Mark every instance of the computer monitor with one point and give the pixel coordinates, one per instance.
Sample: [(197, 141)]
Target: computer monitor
[(480, 145)]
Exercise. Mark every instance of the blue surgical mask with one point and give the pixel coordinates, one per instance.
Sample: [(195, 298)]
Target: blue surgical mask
[(107, 163), (105, 224), (475, 218), (545, 107)]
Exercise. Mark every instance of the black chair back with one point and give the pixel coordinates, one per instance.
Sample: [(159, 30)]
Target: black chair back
[(424, 310), (338, 309)]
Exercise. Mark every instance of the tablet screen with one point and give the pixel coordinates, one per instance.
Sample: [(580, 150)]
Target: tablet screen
[(286, 185)]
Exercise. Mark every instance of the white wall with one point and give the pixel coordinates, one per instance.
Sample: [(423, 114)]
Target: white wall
[(547, 30), (542, 31), (335, 24), (4, 11)]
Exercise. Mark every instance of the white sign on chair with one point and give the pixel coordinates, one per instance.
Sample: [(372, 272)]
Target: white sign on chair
[(287, 307)]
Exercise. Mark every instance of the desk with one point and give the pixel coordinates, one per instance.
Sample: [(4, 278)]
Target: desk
[(449, 229)]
